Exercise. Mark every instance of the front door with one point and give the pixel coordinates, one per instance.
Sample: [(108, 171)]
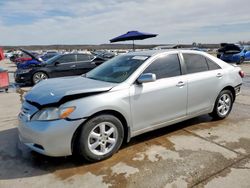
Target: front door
[(65, 66)]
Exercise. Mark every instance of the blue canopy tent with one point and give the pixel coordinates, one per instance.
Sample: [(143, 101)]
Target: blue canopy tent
[(133, 35)]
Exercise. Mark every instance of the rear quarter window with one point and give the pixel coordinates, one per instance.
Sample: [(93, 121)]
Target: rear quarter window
[(212, 65)]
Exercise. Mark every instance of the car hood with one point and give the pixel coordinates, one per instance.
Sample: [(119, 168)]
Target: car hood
[(60, 90), (230, 49), (31, 55)]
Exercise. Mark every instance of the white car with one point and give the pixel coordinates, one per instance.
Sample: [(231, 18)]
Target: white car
[(126, 96)]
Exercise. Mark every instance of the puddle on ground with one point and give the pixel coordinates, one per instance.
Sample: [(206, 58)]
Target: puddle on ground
[(147, 159)]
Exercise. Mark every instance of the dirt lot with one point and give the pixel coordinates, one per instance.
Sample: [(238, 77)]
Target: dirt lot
[(196, 153)]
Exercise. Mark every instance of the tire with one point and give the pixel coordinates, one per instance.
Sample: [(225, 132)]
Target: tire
[(39, 76), (223, 105), (241, 60), (100, 138)]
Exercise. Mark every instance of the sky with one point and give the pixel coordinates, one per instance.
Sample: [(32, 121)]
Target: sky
[(44, 22)]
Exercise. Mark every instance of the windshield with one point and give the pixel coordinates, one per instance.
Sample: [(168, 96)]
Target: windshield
[(51, 60), (117, 69)]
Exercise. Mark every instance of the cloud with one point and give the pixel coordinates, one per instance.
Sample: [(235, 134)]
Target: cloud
[(95, 22)]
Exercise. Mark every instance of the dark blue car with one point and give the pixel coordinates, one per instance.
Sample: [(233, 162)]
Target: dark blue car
[(233, 53)]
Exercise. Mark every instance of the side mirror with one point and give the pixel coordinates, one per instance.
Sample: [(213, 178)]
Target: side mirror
[(244, 50), (147, 77), (57, 63)]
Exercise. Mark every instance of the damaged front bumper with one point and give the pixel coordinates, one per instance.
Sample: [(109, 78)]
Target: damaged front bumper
[(52, 138)]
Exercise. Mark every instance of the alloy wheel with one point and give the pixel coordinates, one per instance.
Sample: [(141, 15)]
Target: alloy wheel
[(37, 77), (224, 104), (102, 138)]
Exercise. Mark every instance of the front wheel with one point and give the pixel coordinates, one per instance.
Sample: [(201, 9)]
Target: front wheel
[(100, 137), (223, 105), (38, 76)]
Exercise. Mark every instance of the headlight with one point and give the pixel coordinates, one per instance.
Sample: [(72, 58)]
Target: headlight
[(23, 71), (53, 113)]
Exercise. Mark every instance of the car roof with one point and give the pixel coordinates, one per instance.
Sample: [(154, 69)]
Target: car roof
[(156, 52)]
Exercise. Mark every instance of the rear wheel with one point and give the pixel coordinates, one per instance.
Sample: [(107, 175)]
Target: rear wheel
[(38, 76), (223, 105), (100, 137)]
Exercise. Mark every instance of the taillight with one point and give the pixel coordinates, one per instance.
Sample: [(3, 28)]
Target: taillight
[(241, 73)]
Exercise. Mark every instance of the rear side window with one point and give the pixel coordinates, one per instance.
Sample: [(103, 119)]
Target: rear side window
[(164, 67), (67, 58), (195, 63), (212, 65)]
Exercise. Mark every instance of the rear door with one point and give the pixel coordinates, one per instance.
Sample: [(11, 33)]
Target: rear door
[(65, 66), (204, 79), (84, 63), (155, 103)]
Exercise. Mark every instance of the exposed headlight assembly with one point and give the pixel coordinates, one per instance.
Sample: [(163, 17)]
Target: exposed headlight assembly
[(53, 113)]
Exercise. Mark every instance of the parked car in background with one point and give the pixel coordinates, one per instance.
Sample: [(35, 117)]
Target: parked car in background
[(104, 54), (23, 57), (28, 57), (12, 54), (57, 66), (34, 59), (126, 96), (49, 55), (234, 53), (8, 53)]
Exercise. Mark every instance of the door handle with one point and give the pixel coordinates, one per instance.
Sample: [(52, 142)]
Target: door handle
[(180, 84), (219, 75), (72, 66)]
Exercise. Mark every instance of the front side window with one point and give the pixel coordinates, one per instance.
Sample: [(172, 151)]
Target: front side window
[(195, 63), (67, 58), (117, 69), (165, 67)]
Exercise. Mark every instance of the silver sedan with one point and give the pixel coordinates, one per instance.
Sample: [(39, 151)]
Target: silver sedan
[(126, 96)]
